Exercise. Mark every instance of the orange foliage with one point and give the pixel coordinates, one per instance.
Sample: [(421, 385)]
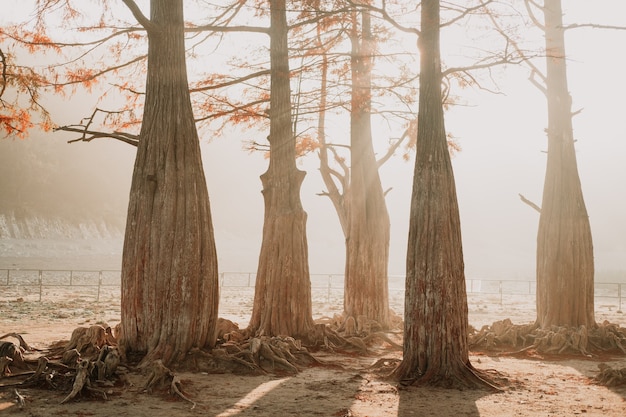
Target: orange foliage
[(85, 76), (306, 144), (15, 122)]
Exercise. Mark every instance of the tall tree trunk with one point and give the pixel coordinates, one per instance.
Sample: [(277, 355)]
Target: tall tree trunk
[(366, 290), (436, 315), (282, 299), (565, 266), (169, 266)]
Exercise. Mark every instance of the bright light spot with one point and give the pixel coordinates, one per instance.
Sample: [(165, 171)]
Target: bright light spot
[(6, 405), (252, 397)]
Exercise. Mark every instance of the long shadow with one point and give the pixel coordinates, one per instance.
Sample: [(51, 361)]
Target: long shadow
[(313, 392), (428, 401), (328, 392), (588, 367)]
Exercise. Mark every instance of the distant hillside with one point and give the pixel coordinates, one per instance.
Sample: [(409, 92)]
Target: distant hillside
[(51, 189)]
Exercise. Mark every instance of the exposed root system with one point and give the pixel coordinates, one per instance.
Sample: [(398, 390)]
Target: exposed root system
[(505, 336)]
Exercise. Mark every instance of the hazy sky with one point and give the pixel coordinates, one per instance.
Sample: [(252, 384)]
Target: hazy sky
[(502, 139)]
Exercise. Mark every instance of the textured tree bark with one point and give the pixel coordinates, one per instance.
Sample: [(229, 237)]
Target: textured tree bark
[(282, 299), (169, 266), (436, 315), (565, 266), (366, 291)]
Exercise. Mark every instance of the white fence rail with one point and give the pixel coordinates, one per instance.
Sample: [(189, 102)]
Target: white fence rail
[(39, 283)]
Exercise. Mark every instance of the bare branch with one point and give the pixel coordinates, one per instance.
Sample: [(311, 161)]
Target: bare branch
[(530, 203), (5, 81), (593, 26), (87, 135), (465, 12), (232, 82), (220, 28), (392, 149), (235, 109), (385, 15), (531, 13), (541, 87), (141, 18)]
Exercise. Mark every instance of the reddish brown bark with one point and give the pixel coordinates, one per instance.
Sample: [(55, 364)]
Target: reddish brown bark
[(366, 291), (565, 266), (282, 299), (436, 315), (169, 266)]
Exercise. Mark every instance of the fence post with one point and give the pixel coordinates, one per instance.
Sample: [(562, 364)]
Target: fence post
[(619, 295), (40, 284), (330, 278), (99, 285)]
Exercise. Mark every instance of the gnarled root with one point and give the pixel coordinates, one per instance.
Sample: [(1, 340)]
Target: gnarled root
[(82, 381), (23, 345), (610, 377), (554, 340), (161, 376)]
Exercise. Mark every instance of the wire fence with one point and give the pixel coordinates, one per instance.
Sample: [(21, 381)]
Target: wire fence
[(237, 288)]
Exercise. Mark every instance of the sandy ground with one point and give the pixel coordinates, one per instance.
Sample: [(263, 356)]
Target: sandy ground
[(532, 386)]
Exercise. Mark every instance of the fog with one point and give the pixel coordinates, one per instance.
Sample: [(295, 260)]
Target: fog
[(503, 143)]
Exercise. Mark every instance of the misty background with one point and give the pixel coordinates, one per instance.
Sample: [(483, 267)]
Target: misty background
[(65, 201)]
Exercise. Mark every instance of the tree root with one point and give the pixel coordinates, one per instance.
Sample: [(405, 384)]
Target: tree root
[(353, 335), (75, 366), (504, 335), (610, 377), (82, 381), (23, 345), (161, 376)]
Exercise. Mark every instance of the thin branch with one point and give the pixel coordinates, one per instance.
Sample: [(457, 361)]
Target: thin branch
[(593, 26), (531, 13), (220, 28), (536, 83), (235, 109), (392, 149), (232, 82), (141, 18), (5, 81), (466, 12), (530, 203), (87, 135), (385, 15)]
